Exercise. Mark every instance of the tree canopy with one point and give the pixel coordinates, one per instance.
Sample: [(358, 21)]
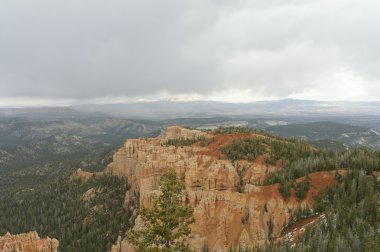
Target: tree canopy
[(167, 222)]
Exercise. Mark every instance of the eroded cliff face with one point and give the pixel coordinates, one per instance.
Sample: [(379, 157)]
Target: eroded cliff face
[(229, 209), (27, 242)]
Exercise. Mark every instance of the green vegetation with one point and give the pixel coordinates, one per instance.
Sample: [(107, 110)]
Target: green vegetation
[(352, 220), (361, 158), (45, 170), (274, 149), (298, 158), (284, 188), (167, 221), (59, 210), (180, 142), (270, 230), (352, 216), (37, 148), (237, 130), (329, 144), (329, 135), (240, 171), (315, 130), (351, 208), (288, 151), (302, 188), (247, 149)]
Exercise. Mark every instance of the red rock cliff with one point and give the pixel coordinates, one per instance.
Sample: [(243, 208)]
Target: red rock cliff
[(223, 216)]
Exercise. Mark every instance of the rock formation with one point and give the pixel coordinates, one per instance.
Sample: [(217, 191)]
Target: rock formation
[(27, 242), (84, 176), (226, 213)]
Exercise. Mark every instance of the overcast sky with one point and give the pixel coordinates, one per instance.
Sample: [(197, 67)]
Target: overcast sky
[(70, 51)]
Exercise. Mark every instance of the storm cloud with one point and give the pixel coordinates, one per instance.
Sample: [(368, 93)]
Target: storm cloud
[(90, 49)]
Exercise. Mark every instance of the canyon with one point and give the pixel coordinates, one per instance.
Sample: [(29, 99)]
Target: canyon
[(231, 206)]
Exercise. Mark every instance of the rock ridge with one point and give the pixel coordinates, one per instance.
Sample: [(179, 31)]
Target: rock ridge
[(27, 242), (225, 215)]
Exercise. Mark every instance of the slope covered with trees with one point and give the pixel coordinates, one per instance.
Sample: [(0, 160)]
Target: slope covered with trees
[(60, 209), (166, 223), (352, 207), (352, 220)]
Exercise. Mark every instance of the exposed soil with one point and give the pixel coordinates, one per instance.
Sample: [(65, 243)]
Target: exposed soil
[(319, 182), (297, 230), (221, 140)]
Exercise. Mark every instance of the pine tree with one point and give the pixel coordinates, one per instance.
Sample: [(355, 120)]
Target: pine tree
[(166, 224)]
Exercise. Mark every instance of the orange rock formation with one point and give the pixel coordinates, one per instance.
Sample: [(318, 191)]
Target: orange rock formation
[(223, 215), (28, 242)]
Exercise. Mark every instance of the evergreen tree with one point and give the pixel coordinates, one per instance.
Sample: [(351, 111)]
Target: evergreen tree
[(166, 224)]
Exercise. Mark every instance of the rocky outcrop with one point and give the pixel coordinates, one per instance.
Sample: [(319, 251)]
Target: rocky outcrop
[(229, 208), (298, 230), (177, 132), (27, 242), (84, 176)]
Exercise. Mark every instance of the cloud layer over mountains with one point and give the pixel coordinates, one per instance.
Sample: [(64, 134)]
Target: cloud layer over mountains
[(215, 49)]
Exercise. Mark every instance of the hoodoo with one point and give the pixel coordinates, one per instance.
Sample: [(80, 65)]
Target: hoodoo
[(27, 242), (231, 206)]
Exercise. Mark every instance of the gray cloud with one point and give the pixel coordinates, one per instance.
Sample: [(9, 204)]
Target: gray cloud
[(91, 48)]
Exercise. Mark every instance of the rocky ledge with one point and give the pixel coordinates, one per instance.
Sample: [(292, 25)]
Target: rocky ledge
[(27, 242)]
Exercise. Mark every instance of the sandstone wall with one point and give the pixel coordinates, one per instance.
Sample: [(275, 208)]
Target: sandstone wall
[(27, 242), (223, 216)]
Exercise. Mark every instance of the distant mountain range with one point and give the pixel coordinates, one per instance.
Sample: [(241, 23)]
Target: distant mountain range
[(171, 109), (330, 134), (286, 107)]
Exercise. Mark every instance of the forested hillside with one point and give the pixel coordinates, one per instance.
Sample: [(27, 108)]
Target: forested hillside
[(330, 134), (38, 149), (352, 207), (83, 216)]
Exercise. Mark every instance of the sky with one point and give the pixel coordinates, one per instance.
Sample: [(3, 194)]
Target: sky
[(96, 51)]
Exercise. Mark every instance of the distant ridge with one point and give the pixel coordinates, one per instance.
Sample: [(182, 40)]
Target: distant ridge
[(325, 132), (288, 107)]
